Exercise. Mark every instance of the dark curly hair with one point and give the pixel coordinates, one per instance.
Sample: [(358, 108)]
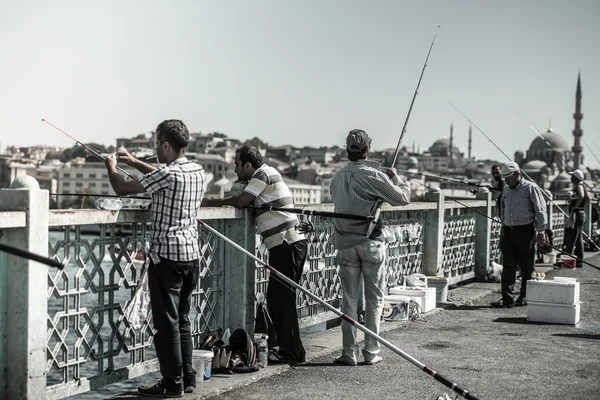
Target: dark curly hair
[(174, 132), (250, 154)]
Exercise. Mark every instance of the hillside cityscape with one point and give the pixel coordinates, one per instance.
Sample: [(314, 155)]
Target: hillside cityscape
[(306, 170)]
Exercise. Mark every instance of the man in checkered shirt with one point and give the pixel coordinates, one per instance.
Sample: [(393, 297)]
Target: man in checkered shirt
[(177, 190), (358, 188)]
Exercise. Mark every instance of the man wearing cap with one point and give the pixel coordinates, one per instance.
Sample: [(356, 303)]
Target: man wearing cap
[(358, 188), (580, 200), (523, 213)]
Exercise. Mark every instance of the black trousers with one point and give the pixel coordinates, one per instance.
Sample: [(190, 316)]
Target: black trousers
[(171, 284), (574, 237), (287, 258), (518, 249)]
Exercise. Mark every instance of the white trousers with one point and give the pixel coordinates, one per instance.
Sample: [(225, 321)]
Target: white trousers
[(366, 259)]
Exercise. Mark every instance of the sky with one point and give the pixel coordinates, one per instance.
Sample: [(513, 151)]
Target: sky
[(299, 72)]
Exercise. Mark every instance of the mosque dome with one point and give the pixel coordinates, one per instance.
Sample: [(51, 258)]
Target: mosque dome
[(563, 177), (441, 148), (556, 142), (412, 160), (534, 165)]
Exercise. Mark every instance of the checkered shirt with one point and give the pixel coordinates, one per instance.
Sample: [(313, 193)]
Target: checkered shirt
[(177, 190), (356, 189)]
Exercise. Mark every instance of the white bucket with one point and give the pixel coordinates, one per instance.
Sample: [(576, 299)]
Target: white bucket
[(549, 258), (202, 362)]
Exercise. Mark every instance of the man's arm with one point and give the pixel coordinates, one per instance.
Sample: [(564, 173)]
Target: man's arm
[(239, 201), (121, 186), (124, 156), (394, 191), (539, 207)]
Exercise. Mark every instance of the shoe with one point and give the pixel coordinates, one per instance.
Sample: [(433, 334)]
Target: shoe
[(158, 390), (276, 357), (344, 360), (373, 360), (521, 301), (501, 304), (189, 384)]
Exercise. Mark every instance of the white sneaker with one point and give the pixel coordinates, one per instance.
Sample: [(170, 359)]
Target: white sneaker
[(373, 360)]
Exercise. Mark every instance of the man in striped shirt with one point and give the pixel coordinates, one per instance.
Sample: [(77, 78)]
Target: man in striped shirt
[(287, 247), (177, 190), (358, 188)]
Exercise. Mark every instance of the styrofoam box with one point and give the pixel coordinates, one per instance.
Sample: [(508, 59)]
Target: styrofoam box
[(553, 313), (424, 297), (556, 292)]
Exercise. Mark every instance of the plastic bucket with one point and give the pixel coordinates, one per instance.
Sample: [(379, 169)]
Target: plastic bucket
[(549, 258), (568, 262), (202, 362), (440, 283)]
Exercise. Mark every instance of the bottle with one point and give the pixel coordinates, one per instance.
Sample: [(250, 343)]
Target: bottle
[(108, 204), (263, 352)]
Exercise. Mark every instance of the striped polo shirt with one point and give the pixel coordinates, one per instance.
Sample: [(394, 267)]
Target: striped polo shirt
[(268, 187)]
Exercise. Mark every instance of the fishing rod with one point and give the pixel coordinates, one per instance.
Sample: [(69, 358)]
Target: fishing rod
[(15, 251), (303, 211), (447, 179), (523, 172), (564, 164), (99, 195), (497, 220), (448, 383), (377, 212), (93, 151), (588, 146)]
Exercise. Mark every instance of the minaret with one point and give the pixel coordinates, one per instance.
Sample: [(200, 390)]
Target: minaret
[(470, 141), (451, 163), (577, 132)]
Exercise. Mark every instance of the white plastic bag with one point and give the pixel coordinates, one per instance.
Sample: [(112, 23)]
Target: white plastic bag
[(138, 309)]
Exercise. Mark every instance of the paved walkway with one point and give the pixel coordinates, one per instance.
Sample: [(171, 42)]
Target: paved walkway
[(494, 353)]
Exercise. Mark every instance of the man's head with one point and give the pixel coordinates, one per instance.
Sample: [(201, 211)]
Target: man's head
[(247, 160), (496, 173), (576, 176), (358, 145), (172, 137), (511, 173)]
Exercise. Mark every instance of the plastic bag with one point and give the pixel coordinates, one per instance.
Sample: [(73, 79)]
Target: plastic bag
[(137, 310), (416, 280)]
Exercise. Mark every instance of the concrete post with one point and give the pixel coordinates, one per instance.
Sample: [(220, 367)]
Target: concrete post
[(483, 229), (433, 235), (26, 305), (239, 273)]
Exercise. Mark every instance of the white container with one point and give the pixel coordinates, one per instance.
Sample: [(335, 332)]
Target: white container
[(556, 292), (424, 297), (553, 313), (202, 362), (440, 283)]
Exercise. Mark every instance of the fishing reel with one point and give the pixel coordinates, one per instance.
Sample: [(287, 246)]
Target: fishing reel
[(305, 227)]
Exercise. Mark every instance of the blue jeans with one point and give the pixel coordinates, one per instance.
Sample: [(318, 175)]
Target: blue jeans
[(366, 260)]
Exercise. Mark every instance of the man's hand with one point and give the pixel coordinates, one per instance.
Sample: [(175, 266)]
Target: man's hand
[(391, 172), (541, 240), (111, 162), (124, 156)]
